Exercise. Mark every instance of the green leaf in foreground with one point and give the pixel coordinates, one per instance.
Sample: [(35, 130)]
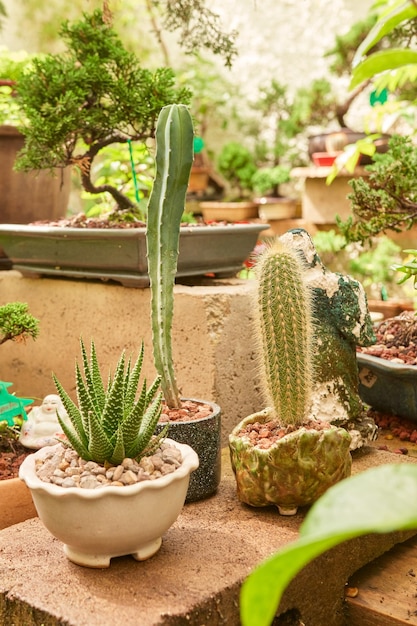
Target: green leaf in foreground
[(380, 500)]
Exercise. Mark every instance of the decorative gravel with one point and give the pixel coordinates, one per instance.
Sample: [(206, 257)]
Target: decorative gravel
[(64, 467)]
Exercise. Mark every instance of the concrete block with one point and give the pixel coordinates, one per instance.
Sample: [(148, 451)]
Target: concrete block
[(213, 346), (194, 579)]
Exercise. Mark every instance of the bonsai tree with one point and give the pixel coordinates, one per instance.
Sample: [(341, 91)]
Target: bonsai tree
[(387, 198), (92, 95), (296, 457), (16, 323), (237, 164), (266, 180)]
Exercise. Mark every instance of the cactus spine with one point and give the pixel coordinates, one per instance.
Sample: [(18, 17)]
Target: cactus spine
[(174, 157), (285, 332)]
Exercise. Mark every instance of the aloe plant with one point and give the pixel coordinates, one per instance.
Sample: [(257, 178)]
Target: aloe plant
[(110, 421), (174, 157)]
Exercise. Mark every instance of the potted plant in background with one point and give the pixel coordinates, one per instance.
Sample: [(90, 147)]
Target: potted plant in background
[(271, 204), (16, 324), (27, 196), (121, 465), (237, 165), (195, 422), (281, 455), (101, 99)]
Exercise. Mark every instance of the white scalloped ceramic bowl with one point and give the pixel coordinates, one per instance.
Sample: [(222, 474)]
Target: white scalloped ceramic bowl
[(96, 525)]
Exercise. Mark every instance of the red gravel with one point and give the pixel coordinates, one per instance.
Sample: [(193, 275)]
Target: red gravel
[(396, 339)]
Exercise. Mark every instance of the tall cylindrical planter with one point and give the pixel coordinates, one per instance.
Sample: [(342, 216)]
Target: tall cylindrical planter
[(204, 436)]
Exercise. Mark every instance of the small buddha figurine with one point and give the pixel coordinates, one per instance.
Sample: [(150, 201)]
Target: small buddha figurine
[(42, 427)]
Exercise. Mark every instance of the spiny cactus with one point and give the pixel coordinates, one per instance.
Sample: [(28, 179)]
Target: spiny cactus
[(174, 158), (285, 332), (110, 423)]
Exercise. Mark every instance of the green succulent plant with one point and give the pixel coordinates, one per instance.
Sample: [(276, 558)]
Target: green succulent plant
[(16, 323), (174, 158), (110, 422)]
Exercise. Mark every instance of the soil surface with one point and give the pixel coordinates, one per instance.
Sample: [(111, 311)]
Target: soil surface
[(264, 434), (188, 412), (396, 339), (82, 221), (396, 434), (12, 454)]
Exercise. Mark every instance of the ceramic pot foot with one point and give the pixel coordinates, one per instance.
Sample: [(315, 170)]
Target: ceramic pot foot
[(148, 550), (97, 561), (287, 510)]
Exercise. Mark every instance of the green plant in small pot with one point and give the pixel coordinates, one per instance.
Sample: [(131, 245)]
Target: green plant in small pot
[(112, 469), (271, 204), (201, 427), (237, 165), (16, 324), (281, 456)]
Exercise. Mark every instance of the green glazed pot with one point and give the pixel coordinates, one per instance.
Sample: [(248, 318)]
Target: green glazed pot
[(295, 471)]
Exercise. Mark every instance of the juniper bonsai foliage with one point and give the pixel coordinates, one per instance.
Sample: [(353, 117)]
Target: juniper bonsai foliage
[(110, 421), (16, 323), (237, 164), (92, 95), (387, 198)]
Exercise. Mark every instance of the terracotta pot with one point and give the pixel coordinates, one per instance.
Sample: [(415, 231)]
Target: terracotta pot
[(228, 211), (199, 178), (390, 308), (16, 502), (29, 196), (98, 524), (276, 208), (335, 141)]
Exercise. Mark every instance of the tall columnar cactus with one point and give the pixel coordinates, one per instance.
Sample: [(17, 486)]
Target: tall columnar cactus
[(292, 469), (174, 157), (285, 332), (111, 422)]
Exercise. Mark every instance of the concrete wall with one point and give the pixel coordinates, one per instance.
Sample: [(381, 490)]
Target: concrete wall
[(212, 337)]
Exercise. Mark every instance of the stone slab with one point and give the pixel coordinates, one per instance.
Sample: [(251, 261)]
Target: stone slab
[(194, 579)]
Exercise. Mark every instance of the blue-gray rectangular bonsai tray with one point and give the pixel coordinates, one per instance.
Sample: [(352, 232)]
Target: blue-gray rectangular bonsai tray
[(120, 254), (388, 387)]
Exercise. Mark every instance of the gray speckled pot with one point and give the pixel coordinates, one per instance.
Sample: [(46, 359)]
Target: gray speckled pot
[(203, 436)]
